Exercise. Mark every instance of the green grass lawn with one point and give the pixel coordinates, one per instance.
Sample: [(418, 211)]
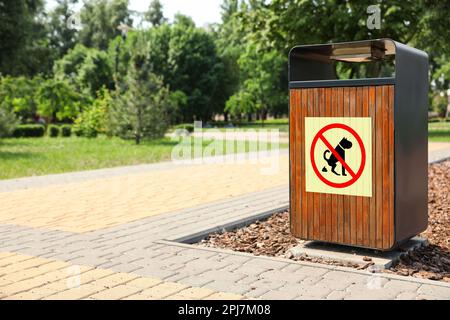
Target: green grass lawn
[(39, 156), (439, 131)]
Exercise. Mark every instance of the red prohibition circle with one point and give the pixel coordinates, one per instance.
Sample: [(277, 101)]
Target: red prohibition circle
[(361, 146)]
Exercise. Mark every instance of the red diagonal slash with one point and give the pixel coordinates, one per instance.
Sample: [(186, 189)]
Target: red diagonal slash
[(328, 145)]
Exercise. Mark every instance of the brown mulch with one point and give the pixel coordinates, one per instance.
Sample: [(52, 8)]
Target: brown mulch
[(271, 237)]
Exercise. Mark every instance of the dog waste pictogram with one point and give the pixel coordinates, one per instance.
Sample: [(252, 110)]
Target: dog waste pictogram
[(338, 155)]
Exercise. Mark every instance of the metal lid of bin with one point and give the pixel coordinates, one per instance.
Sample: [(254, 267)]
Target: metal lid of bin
[(308, 63)]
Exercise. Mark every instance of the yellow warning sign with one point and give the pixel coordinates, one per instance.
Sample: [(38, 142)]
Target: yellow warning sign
[(338, 155)]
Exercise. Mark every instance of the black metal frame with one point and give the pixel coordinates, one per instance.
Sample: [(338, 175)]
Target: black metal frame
[(341, 83)]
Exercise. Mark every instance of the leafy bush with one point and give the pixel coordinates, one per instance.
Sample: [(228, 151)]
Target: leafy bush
[(188, 127), (93, 120), (66, 130), (18, 94), (57, 98), (8, 123), (440, 105), (29, 131), (53, 131)]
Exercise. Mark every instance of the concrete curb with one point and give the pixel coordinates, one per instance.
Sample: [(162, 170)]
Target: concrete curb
[(196, 237)]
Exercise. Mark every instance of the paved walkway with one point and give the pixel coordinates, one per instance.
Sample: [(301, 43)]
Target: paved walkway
[(114, 234)]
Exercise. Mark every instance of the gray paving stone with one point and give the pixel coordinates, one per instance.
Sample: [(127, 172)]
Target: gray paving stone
[(227, 286), (225, 276), (276, 275), (406, 295), (402, 285), (311, 271), (278, 295), (137, 247), (356, 293), (265, 264), (267, 284), (250, 270), (436, 291), (336, 295), (196, 281)]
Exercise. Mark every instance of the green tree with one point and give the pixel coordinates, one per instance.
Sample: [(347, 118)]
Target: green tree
[(24, 48), (260, 90), (17, 94), (62, 38), (155, 14), (87, 69), (186, 59), (57, 100), (141, 111), (440, 104), (195, 68), (8, 122), (94, 119), (100, 19)]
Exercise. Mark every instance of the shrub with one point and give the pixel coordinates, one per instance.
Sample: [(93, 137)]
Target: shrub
[(188, 127), (53, 131), (29, 131), (440, 105), (66, 130), (8, 123), (93, 120)]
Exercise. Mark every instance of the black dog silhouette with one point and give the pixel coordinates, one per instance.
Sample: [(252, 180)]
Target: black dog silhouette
[(332, 160)]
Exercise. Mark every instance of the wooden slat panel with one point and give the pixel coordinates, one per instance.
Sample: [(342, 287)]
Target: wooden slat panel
[(385, 164), (379, 166), (298, 161), (340, 112), (328, 209), (334, 213), (352, 200), (309, 197), (304, 211), (358, 208), (366, 200), (346, 207), (362, 221), (316, 196)]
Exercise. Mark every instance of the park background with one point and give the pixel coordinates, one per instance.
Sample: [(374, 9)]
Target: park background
[(93, 84)]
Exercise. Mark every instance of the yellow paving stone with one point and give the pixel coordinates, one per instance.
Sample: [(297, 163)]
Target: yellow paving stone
[(144, 283), (81, 292), (196, 293), (54, 265), (33, 294), (116, 293), (164, 290), (95, 274), (25, 274), (4, 255), (31, 263), (138, 296), (56, 286), (115, 279), (20, 286), (100, 203), (178, 297), (224, 296), (13, 259)]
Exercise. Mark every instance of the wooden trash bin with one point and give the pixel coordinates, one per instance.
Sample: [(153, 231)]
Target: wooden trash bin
[(359, 145)]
